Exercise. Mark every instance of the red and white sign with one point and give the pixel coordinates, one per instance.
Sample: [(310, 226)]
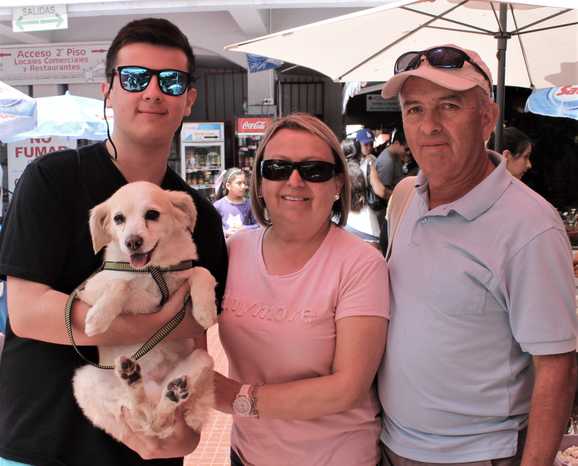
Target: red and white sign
[(20, 154), (567, 93), (53, 63), (253, 125)]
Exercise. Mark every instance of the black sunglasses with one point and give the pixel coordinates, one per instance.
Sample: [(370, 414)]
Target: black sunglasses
[(315, 171), (137, 78), (439, 57)]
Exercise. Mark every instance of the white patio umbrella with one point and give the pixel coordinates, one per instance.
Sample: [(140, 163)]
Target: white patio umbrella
[(17, 111), (68, 115), (540, 37)]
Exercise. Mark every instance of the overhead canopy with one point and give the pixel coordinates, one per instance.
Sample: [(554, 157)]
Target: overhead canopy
[(530, 43), (542, 49)]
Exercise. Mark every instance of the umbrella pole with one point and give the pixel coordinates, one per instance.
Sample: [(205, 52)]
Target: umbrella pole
[(502, 37)]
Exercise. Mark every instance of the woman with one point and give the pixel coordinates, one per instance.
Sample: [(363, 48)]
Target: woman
[(361, 221), (517, 148), (304, 315)]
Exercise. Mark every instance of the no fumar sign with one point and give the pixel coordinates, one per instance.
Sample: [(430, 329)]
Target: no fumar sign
[(39, 18)]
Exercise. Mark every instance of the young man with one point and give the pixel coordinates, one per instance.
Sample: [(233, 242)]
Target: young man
[(387, 173), (45, 251), (389, 163), (480, 365), (365, 139)]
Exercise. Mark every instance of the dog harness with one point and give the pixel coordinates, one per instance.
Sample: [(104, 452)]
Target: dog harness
[(158, 277)]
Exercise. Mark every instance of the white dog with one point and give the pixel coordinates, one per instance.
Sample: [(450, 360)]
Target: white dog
[(145, 226)]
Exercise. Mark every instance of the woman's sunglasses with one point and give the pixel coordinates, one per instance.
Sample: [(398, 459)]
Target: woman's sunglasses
[(315, 171), (137, 78), (439, 57)]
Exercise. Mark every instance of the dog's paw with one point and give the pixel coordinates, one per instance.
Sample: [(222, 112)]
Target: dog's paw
[(128, 370), (96, 322), (177, 390), (205, 313)]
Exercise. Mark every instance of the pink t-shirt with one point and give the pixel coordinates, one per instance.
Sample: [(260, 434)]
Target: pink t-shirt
[(278, 329)]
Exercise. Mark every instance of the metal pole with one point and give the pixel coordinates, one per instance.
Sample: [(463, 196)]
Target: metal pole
[(502, 37)]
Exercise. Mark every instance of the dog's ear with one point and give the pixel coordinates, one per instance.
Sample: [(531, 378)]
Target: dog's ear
[(186, 210), (99, 219)]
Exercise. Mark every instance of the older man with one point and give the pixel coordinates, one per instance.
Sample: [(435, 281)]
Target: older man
[(480, 364)]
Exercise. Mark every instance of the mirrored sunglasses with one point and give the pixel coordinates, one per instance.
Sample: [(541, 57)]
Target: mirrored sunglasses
[(137, 78), (315, 171), (438, 57)]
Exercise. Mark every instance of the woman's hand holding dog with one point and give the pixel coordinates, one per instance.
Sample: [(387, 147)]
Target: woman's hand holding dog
[(183, 442), (225, 392)]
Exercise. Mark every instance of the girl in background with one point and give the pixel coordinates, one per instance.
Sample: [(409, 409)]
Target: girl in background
[(232, 202)]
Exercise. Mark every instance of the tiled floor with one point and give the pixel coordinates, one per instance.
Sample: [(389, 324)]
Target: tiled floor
[(215, 440)]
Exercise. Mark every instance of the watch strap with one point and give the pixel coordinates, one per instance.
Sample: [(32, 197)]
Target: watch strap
[(246, 390)]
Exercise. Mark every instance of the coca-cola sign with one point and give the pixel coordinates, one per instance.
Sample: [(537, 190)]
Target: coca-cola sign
[(254, 125)]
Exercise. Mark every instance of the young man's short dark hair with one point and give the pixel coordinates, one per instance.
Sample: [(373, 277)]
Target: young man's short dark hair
[(155, 31)]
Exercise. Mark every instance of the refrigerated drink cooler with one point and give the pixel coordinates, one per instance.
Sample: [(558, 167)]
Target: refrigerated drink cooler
[(249, 132), (202, 155)]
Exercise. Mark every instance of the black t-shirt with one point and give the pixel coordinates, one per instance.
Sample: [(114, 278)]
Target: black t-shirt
[(45, 239)]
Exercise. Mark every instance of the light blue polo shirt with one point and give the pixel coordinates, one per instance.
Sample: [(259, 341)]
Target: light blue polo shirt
[(478, 286)]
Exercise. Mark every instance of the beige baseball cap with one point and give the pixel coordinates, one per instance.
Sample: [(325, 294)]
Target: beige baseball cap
[(456, 79)]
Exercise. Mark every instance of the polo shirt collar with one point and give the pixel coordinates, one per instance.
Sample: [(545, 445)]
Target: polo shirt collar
[(475, 202)]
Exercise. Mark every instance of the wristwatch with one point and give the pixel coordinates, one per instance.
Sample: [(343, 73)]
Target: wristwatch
[(245, 404)]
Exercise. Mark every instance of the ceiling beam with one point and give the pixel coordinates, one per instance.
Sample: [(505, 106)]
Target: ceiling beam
[(251, 21)]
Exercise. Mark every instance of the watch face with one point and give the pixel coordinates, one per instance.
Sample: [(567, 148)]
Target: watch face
[(242, 406)]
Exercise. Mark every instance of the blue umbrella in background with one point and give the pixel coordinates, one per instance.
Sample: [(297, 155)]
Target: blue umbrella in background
[(554, 101), (17, 111), (68, 115)]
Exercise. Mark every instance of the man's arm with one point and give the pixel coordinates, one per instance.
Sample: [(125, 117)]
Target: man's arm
[(552, 397), (36, 311), (378, 187)]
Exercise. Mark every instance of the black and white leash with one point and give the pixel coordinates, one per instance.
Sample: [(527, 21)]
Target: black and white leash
[(157, 274)]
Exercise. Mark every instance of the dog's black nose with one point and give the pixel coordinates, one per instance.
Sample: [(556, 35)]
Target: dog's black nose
[(134, 242)]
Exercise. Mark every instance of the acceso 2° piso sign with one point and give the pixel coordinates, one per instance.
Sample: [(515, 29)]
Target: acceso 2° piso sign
[(53, 63)]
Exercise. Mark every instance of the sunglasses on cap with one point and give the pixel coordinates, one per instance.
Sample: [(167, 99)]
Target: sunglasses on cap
[(137, 78), (315, 171), (438, 57)]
